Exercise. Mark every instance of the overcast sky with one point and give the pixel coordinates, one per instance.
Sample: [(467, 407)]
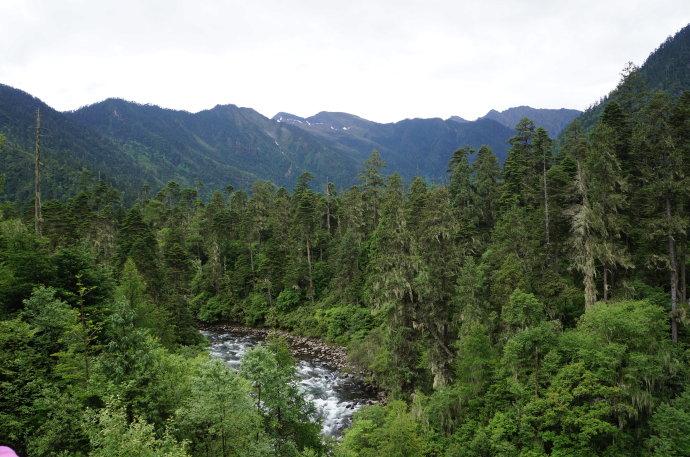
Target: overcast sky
[(384, 60)]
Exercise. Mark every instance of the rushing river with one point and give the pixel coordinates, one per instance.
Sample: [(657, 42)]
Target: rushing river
[(335, 394)]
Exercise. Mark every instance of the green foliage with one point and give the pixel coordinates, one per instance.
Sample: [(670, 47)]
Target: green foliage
[(270, 370), (255, 309), (288, 300), (343, 323), (24, 262), (218, 418), (671, 428), (214, 309), (111, 434), (391, 430), (522, 310)]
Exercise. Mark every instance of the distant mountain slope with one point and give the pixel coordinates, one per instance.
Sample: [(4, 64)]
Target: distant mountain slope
[(457, 119), (132, 145), (553, 120), (70, 153), (412, 147), (223, 145), (667, 68)]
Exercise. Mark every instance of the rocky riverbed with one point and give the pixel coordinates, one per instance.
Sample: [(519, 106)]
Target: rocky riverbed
[(323, 373)]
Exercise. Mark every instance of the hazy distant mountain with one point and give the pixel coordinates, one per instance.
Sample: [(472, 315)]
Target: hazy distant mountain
[(412, 147), (132, 145), (223, 145), (553, 120), (457, 119)]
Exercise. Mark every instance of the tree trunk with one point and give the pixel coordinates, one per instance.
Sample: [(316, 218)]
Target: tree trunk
[(258, 407), (328, 208), (587, 264), (216, 267), (537, 364), (82, 318), (311, 279), (38, 216), (546, 204), (589, 273), (683, 283), (673, 264), (606, 284)]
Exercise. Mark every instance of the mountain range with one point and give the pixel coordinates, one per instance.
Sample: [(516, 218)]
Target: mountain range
[(134, 146)]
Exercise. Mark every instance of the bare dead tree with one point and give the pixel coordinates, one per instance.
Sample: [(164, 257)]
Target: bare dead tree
[(38, 215)]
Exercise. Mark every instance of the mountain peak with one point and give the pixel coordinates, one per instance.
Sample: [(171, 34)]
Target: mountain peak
[(553, 120), (287, 117), (457, 119)]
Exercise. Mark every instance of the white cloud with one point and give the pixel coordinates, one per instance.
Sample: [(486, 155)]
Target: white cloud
[(383, 60)]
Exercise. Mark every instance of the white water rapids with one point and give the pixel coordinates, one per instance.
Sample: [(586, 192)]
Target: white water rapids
[(336, 395)]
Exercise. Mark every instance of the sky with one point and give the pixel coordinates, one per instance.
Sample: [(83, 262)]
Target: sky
[(383, 60)]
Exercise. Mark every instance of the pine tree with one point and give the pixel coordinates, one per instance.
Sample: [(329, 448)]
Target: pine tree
[(520, 181), (372, 186), (543, 152), (680, 120), (608, 198), (487, 175), (596, 220), (306, 220), (391, 285), (137, 240), (436, 257), (663, 184), (463, 196), (583, 217)]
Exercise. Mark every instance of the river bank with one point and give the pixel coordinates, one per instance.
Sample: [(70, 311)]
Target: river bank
[(321, 371), (303, 347)]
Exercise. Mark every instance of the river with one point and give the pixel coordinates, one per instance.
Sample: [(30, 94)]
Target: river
[(335, 394)]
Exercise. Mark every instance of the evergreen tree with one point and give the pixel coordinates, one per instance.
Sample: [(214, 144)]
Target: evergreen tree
[(307, 222), (137, 241), (487, 175), (372, 186), (391, 284), (463, 196), (543, 152), (663, 185), (520, 178)]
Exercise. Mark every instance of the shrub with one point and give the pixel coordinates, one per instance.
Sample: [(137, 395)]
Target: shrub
[(255, 309), (215, 309)]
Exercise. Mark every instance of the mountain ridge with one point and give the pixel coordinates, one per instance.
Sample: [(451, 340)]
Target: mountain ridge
[(134, 145), (554, 120)]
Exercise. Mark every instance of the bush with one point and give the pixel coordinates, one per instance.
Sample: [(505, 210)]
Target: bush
[(389, 430), (288, 300), (343, 323), (215, 309), (671, 427), (255, 309), (302, 320)]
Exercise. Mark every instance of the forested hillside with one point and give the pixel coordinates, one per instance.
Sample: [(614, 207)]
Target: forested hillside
[(72, 155)]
